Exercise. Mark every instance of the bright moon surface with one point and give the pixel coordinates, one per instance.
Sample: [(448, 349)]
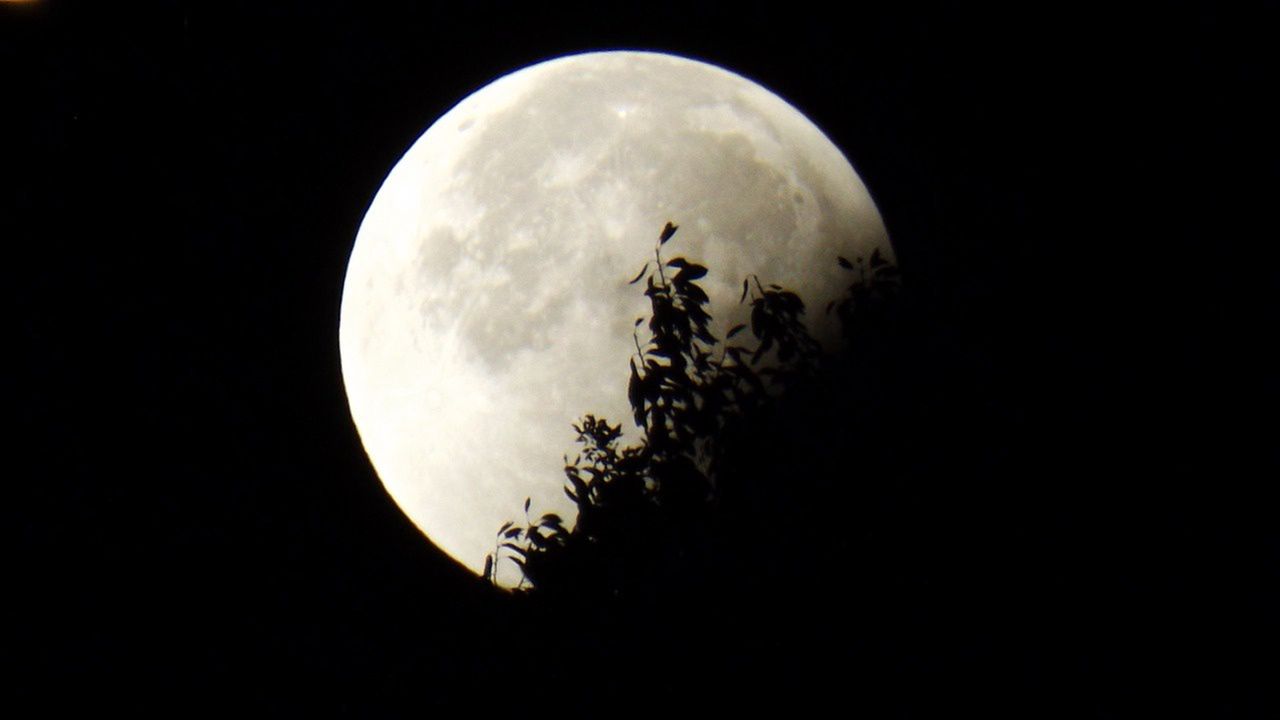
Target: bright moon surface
[(486, 304)]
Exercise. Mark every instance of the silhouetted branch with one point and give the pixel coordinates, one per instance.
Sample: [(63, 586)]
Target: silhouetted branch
[(647, 507)]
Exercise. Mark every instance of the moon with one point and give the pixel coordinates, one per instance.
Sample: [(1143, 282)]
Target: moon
[(486, 304)]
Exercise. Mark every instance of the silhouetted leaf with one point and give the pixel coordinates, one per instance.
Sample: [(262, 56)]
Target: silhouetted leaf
[(488, 566), (513, 532), (527, 501), (791, 302), (876, 260), (765, 345), (745, 287), (702, 324), (667, 232), (843, 263), (758, 319), (695, 293), (691, 271), (734, 331), (636, 393), (639, 275)]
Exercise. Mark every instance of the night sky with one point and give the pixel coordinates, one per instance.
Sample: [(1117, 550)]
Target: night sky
[(1070, 192)]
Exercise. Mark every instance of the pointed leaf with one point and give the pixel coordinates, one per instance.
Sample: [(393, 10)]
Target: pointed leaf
[(744, 290), (758, 319), (701, 320), (636, 279), (844, 263), (635, 392), (791, 301), (691, 271), (693, 292), (667, 232)]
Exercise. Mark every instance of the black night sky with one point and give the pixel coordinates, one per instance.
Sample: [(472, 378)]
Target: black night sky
[(1068, 189)]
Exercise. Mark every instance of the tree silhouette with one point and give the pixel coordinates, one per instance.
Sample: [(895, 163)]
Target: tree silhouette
[(660, 513), (890, 526)]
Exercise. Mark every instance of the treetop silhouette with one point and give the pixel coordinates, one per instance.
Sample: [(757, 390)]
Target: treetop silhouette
[(653, 511)]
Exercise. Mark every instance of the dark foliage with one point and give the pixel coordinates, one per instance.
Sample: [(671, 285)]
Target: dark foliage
[(891, 525), (661, 513)]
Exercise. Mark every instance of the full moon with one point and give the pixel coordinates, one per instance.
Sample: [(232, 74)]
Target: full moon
[(486, 305)]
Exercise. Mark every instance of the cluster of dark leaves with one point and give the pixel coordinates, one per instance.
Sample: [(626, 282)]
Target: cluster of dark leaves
[(649, 513), (870, 299), (890, 523)]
